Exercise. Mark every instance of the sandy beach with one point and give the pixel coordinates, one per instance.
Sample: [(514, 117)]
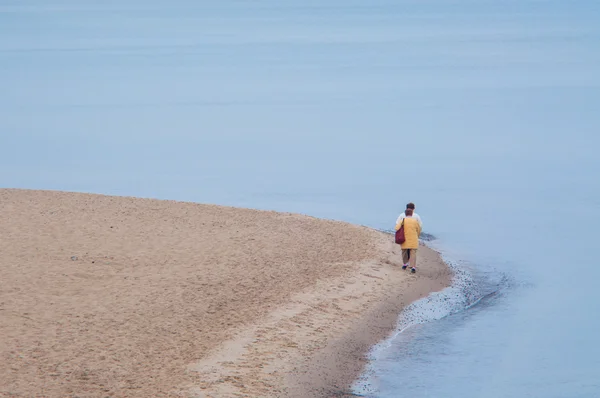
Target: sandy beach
[(105, 296)]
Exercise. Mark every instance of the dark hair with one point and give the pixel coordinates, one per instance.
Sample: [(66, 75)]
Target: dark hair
[(408, 212), (410, 206)]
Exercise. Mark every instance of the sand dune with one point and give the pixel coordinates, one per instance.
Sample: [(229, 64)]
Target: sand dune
[(122, 297)]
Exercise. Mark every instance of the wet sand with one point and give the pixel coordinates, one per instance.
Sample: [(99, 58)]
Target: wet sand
[(126, 297)]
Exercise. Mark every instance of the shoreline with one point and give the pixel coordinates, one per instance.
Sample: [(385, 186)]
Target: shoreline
[(135, 297), (340, 357), (344, 359)]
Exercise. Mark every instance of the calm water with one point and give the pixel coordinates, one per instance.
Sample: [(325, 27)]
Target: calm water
[(484, 113)]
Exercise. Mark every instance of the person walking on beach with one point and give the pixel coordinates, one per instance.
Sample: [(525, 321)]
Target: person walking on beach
[(414, 215), (412, 230)]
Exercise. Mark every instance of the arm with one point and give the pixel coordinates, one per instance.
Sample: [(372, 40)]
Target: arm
[(399, 219), (398, 225), (420, 222)]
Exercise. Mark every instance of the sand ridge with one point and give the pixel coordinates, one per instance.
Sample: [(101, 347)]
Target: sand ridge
[(126, 297)]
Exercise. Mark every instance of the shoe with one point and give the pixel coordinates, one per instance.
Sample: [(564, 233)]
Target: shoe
[(413, 270), (404, 266)]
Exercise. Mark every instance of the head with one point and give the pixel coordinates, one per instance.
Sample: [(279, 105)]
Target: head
[(408, 212), (411, 206)]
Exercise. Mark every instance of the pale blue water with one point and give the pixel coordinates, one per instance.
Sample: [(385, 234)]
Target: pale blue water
[(484, 113)]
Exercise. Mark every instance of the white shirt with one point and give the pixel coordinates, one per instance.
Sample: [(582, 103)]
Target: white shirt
[(415, 216)]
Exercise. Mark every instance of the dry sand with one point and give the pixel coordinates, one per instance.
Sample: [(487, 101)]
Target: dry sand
[(122, 297)]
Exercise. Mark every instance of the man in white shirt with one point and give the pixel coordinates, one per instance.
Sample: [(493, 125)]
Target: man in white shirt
[(414, 215)]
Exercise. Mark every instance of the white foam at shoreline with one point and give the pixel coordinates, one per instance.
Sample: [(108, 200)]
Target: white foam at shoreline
[(463, 293)]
